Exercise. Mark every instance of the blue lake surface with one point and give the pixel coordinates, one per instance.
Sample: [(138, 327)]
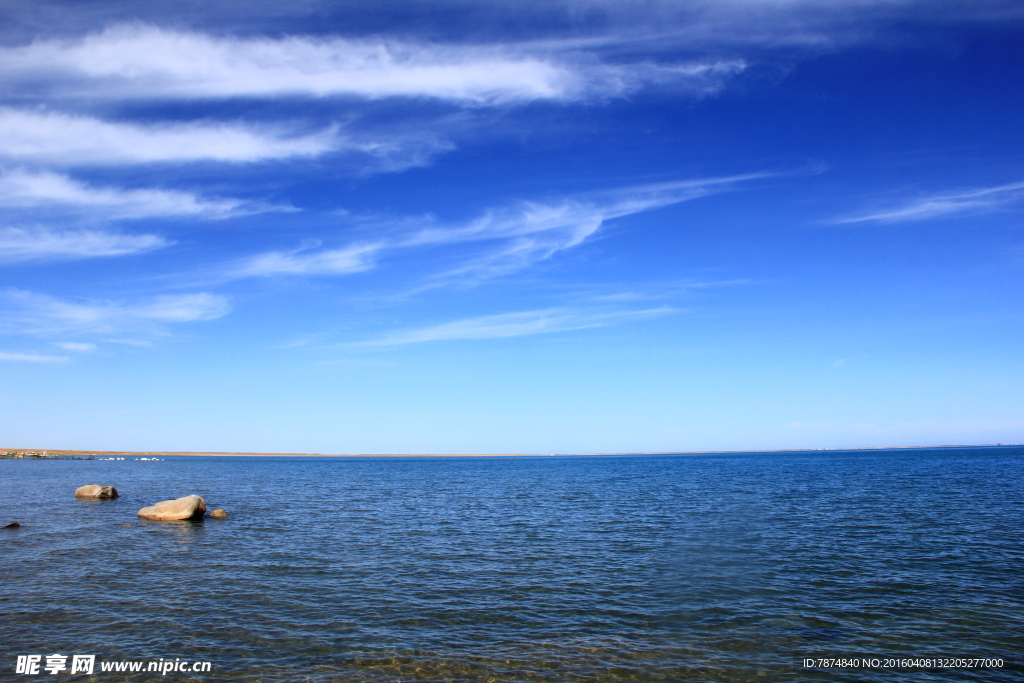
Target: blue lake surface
[(731, 567)]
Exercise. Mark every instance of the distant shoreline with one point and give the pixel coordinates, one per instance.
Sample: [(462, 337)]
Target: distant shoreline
[(45, 453)]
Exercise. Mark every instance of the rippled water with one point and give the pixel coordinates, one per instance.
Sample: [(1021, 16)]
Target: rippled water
[(655, 568)]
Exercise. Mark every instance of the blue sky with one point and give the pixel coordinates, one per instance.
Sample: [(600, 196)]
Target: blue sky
[(352, 227)]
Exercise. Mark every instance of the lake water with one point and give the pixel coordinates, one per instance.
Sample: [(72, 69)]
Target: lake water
[(732, 567)]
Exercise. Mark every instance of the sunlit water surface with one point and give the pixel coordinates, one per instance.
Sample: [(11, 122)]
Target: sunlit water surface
[(657, 568)]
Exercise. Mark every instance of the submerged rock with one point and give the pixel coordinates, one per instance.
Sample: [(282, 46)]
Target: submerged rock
[(189, 507), (95, 491), (13, 525), (219, 513)]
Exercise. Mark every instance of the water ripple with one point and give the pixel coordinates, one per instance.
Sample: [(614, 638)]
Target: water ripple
[(669, 568)]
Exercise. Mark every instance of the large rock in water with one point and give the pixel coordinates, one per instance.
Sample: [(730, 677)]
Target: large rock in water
[(95, 491), (189, 507)]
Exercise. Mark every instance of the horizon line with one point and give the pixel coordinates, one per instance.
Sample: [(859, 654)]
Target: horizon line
[(243, 454)]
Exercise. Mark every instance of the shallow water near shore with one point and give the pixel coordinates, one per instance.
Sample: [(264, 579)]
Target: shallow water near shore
[(732, 567)]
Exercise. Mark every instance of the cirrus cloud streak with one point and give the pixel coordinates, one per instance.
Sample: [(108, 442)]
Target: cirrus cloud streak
[(510, 238), (31, 358), (145, 61), (49, 244), (67, 140), (941, 205), (518, 324), (30, 313), (45, 189)]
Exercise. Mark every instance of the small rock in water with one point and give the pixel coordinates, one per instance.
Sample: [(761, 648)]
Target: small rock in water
[(13, 525), (219, 513), (189, 507), (95, 491)]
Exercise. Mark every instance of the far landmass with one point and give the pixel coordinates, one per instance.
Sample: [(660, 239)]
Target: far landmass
[(38, 453)]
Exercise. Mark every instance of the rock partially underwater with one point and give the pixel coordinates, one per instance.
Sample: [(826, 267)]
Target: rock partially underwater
[(95, 491), (189, 507)]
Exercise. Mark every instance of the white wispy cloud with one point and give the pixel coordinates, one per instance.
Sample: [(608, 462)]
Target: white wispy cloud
[(43, 243), (721, 25), (514, 237), (518, 324), (77, 347), (710, 23), (64, 139), (508, 238), (534, 231), (31, 313), (137, 60), (304, 261), (31, 358), (939, 205), (20, 188)]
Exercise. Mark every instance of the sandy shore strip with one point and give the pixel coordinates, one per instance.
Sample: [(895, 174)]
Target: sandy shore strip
[(51, 453)]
